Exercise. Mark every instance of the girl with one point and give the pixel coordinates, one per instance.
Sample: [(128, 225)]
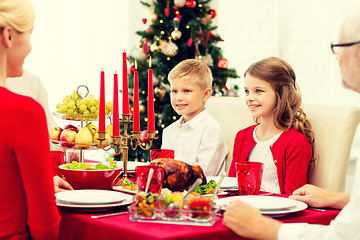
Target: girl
[(282, 139)]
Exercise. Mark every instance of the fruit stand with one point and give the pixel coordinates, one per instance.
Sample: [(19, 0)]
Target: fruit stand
[(83, 108)]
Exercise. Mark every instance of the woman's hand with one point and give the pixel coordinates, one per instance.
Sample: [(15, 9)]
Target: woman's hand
[(61, 185)]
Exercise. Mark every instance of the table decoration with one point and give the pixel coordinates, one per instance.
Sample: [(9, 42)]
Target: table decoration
[(116, 127), (136, 112), (125, 90), (121, 143), (102, 102)]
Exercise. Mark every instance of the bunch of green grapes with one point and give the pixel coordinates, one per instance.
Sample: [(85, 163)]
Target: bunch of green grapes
[(75, 107)]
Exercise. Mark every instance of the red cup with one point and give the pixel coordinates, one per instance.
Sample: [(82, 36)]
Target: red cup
[(57, 159), (161, 153), (249, 176), (141, 176)]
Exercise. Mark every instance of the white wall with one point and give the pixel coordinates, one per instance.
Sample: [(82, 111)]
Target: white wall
[(74, 39), (298, 31)]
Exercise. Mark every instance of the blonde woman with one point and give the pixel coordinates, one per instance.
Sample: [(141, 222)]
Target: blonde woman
[(27, 203)]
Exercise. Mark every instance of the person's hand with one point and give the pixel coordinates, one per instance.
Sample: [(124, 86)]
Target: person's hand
[(318, 197), (61, 185), (247, 221)]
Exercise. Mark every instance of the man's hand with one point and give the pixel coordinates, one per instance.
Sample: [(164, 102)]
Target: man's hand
[(318, 197), (61, 185), (247, 221)]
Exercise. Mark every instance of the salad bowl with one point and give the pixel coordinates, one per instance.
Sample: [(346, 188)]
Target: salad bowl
[(90, 175)]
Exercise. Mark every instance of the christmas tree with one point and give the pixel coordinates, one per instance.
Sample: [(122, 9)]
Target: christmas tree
[(176, 30)]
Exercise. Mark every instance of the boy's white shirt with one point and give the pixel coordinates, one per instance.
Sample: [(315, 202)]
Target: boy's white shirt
[(199, 141)]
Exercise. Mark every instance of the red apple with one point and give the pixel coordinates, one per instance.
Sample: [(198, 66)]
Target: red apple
[(69, 126), (143, 137), (67, 137), (55, 133)]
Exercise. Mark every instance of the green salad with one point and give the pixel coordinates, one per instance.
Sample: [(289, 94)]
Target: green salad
[(87, 166), (206, 188)]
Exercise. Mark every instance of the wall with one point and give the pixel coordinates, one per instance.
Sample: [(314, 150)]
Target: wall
[(298, 31)]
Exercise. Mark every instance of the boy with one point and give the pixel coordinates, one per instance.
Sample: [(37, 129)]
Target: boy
[(196, 137)]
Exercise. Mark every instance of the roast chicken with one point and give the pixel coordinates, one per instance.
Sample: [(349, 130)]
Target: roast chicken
[(179, 176)]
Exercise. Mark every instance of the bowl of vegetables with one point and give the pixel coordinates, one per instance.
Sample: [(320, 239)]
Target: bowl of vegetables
[(90, 175)]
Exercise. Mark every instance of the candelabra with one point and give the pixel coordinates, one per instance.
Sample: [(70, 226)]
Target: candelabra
[(121, 143)]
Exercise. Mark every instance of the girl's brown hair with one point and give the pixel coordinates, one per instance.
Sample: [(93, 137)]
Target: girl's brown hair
[(288, 112)]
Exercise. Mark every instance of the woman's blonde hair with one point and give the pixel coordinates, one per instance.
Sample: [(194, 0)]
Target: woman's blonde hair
[(194, 70), (288, 112), (19, 14)]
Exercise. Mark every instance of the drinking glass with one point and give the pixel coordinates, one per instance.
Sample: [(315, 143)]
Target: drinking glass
[(249, 176), (161, 153), (141, 176), (57, 158)]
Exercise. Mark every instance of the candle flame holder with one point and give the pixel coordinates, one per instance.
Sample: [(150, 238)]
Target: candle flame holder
[(121, 143)]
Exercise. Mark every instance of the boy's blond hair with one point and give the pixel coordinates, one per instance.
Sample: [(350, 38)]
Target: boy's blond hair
[(194, 70)]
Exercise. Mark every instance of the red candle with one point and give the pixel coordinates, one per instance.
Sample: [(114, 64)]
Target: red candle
[(136, 114), (125, 103), (151, 121), (102, 102), (116, 128)]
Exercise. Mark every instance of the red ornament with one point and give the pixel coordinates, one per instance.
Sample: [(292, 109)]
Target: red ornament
[(212, 35), (149, 29), (132, 70), (212, 12), (167, 12), (190, 3), (146, 48), (223, 63), (190, 42), (144, 20), (143, 136)]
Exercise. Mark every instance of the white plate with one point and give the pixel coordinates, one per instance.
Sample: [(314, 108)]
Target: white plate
[(121, 189), (268, 205), (128, 199), (89, 197), (221, 193), (228, 182)]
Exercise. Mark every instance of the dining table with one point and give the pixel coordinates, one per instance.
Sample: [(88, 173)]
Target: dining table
[(81, 225)]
